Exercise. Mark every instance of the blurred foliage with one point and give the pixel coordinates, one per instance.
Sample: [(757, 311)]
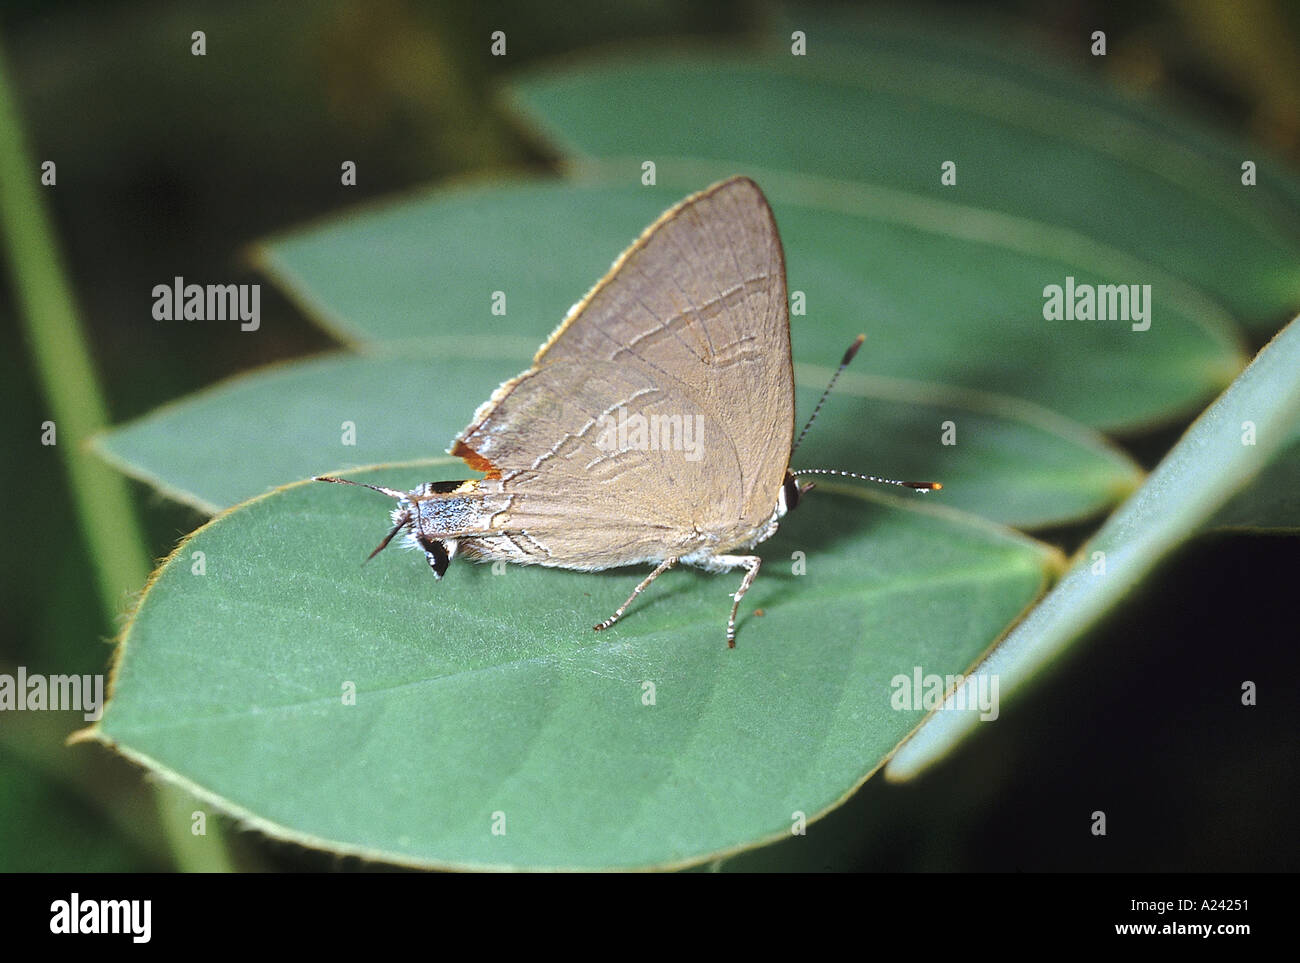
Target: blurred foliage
[(169, 164)]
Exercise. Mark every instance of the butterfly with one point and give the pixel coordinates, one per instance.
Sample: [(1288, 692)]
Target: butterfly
[(655, 425)]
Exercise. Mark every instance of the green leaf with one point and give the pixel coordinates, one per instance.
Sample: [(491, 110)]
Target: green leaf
[(1023, 466), (489, 693), (429, 266), (1220, 473), (1067, 100), (1000, 458), (942, 298), (289, 422), (1053, 152)]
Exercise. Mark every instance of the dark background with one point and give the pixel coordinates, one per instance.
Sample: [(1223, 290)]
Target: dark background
[(169, 164)]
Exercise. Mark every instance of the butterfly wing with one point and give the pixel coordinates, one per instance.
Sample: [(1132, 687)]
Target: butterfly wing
[(690, 327)]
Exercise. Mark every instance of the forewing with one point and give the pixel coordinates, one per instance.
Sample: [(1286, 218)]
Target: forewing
[(692, 320)]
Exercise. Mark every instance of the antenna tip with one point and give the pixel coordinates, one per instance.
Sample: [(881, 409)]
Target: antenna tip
[(924, 486), (853, 349)]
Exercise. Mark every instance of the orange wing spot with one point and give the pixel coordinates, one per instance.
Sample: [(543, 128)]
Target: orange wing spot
[(475, 460)]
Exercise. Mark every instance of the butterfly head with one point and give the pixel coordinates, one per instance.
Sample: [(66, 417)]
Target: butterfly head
[(791, 491), (407, 516)]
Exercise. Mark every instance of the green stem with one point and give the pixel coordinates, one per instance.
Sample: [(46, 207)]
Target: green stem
[(59, 351)]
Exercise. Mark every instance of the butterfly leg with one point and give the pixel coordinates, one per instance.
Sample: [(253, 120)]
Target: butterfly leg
[(664, 566), (751, 562)]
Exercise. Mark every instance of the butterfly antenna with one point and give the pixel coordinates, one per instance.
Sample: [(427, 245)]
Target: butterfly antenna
[(391, 492), (402, 521), (848, 356), (917, 485)]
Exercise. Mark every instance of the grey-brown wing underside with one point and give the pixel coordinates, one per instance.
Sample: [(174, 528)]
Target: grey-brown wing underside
[(691, 321)]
